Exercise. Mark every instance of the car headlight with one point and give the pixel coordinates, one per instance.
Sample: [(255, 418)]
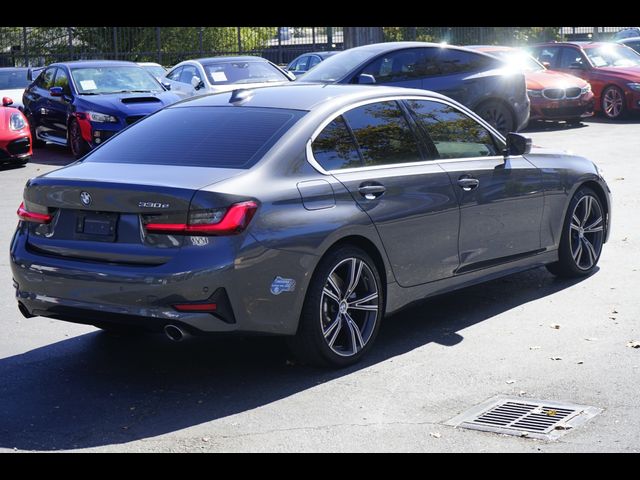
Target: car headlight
[(534, 93), (101, 117), (16, 122), (634, 86), (586, 89)]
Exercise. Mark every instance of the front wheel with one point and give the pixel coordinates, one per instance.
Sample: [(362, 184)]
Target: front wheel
[(498, 116), (342, 312), (77, 144), (582, 236), (613, 103)]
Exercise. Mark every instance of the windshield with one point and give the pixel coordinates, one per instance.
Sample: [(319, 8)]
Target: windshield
[(113, 79), (155, 71), (518, 59), (337, 66), (10, 79), (224, 73), (613, 56)]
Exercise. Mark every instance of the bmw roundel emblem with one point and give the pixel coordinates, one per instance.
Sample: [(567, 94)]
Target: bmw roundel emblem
[(85, 198)]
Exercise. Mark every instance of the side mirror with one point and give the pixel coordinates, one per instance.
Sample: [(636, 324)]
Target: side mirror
[(366, 79), (166, 85), (6, 101), (577, 66), (196, 82), (55, 91), (517, 145), (546, 64)]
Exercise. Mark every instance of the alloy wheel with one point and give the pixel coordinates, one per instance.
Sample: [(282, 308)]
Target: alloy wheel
[(349, 307), (586, 232), (612, 102)]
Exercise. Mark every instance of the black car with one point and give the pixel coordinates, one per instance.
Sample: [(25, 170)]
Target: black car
[(305, 62), (633, 42), (478, 81), (81, 104), (301, 210)]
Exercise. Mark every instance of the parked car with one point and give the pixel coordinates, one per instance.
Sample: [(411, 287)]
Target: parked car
[(631, 42), (222, 74), (81, 104), (305, 62), (613, 70), (155, 69), (553, 95), (15, 137), (627, 33), (303, 210), (478, 81), (13, 81)]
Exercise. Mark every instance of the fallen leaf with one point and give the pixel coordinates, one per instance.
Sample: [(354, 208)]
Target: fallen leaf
[(625, 239), (563, 427), (633, 344), (522, 393), (554, 325), (580, 362), (435, 434), (535, 347), (510, 382), (591, 339), (205, 439), (551, 413), (614, 311), (556, 358), (132, 408)]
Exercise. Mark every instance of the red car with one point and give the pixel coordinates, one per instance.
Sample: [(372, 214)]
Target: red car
[(553, 95), (15, 136), (612, 69)]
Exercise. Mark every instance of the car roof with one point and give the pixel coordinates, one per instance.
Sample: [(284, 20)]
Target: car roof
[(491, 48), (581, 44), (392, 46), (244, 58), (305, 96), (628, 39), (14, 69), (93, 63)]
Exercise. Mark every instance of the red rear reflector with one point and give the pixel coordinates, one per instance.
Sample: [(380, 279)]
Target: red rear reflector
[(235, 220), (33, 216), (196, 307)]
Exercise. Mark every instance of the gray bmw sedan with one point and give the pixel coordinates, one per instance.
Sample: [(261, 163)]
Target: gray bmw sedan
[(309, 211)]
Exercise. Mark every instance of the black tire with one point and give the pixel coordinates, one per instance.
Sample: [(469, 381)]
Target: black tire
[(498, 115), (575, 257), (77, 144), (342, 346), (607, 98)]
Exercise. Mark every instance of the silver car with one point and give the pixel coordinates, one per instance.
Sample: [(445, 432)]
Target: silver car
[(222, 74)]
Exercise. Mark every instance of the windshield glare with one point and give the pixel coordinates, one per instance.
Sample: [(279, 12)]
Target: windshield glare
[(519, 60), (10, 79), (243, 72), (337, 66), (613, 56), (96, 80)]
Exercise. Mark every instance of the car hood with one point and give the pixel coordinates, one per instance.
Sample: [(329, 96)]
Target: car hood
[(14, 94), (624, 73), (548, 79), (126, 104)]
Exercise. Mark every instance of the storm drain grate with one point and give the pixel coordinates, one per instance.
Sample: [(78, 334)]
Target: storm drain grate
[(525, 417)]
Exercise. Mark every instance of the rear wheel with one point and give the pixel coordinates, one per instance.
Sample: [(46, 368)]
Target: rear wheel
[(77, 144), (498, 116), (582, 236), (613, 103), (342, 312)]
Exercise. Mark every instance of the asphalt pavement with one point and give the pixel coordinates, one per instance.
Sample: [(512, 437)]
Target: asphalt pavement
[(72, 387)]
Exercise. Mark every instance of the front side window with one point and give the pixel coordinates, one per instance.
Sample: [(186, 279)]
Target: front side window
[(313, 61), (451, 61), (45, 80), (403, 65), (62, 80), (453, 133), (334, 148), (383, 134), (300, 65), (113, 79), (547, 55), (174, 74), (571, 58), (188, 72)]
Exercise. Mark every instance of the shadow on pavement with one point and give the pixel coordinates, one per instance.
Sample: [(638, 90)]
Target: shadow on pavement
[(51, 154), (95, 389)]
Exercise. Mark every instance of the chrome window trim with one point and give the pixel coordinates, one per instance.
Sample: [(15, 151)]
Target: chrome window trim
[(316, 165)]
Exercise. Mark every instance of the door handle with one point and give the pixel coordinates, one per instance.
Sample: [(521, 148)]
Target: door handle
[(467, 183), (371, 192)]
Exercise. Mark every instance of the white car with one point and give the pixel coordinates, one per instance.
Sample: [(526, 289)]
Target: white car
[(155, 69), (223, 74), (13, 81)]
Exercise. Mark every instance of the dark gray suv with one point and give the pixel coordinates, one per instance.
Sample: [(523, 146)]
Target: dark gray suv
[(301, 210), (478, 81)]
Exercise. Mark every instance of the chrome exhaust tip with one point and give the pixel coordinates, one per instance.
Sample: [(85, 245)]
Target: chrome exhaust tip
[(175, 333), (23, 310)]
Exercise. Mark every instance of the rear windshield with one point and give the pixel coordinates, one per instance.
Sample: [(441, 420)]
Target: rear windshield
[(224, 73), (10, 79), (226, 137)]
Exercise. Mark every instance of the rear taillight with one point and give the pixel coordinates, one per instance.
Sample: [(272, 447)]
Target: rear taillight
[(229, 221), (28, 216)]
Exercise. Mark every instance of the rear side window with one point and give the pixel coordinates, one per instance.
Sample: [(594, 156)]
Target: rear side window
[(225, 137), (334, 149), (383, 134), (403, 65), (453, 133), (451, 62)]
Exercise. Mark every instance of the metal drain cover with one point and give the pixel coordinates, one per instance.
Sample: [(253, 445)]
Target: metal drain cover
[(525, 417)]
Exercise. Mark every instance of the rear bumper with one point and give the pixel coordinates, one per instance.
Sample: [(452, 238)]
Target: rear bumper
[(97, 293)]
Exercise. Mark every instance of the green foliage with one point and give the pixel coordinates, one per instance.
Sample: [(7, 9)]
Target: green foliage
[(473, 35)]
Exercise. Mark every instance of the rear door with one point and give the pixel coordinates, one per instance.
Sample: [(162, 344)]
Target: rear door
[(374, 152), (38, 101), (500, 202)]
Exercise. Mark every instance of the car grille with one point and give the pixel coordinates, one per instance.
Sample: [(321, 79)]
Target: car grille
[(561, 93), (565, 111), (133, 119)]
